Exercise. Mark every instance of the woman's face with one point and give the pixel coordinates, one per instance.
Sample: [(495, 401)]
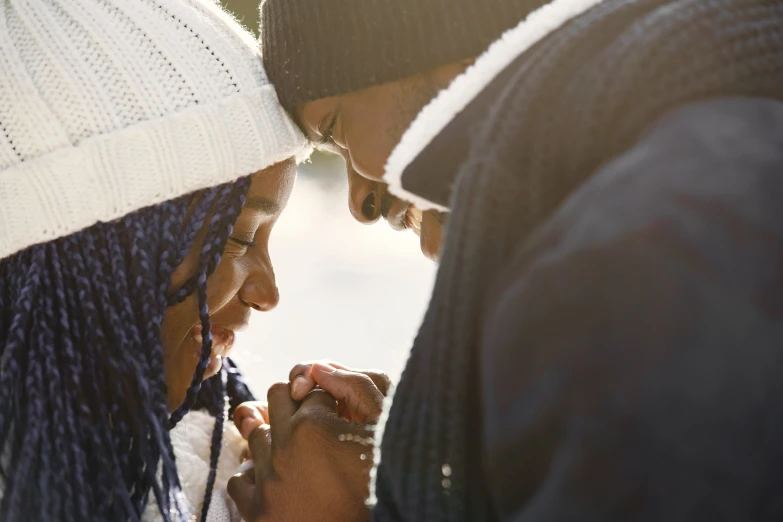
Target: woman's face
[(243, 281)]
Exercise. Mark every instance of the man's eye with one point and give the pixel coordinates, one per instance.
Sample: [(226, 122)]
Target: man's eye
[(326, 129)]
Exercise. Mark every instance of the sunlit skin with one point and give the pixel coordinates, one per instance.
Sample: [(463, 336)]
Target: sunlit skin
[(364, 127), (310, 452), (243, 281)]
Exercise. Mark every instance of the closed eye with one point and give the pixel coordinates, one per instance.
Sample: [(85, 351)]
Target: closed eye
[(248, 244), (326, 128)]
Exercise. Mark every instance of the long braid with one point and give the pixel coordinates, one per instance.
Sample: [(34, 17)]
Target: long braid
[(123, 434), (55, 407), (69, 359), (78, 361), (210, 257), (83, 414), (98, 357), (155, 293), (105, 359), (215, 396), (236, 387), (127, 314), (25, 453), (21, 299), (214, 222)]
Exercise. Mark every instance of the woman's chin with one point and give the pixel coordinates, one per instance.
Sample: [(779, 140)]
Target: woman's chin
[(176, 399), (214, 366)]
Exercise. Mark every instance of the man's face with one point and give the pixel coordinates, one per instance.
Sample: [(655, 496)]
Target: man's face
[(364, 127)]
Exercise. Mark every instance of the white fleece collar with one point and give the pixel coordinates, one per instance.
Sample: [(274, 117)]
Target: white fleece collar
[(452, 100), (192, 443)]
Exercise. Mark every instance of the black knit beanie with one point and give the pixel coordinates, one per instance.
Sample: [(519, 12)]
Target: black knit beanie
[(319, 48)]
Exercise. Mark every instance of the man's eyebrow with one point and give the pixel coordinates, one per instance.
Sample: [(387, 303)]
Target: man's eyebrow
[(263, 205)]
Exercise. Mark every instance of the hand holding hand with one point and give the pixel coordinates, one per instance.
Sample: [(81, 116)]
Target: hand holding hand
[(353, 389), (312, 463)]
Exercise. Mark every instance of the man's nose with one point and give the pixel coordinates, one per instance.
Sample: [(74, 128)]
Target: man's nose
[(364, 199), (259, 291)]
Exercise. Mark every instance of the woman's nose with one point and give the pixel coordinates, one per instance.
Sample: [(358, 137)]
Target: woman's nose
[(260, 291), (363, 198)]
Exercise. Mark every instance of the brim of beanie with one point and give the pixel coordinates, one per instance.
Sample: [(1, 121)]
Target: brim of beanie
[(418, 140), (106, 177)]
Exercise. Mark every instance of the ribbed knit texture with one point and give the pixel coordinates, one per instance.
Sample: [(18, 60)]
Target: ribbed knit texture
[(108, 106), (319, 48), (581, 97)]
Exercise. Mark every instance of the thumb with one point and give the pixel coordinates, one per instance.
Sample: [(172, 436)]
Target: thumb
[(358, 395), (250, 415), (242, 490)]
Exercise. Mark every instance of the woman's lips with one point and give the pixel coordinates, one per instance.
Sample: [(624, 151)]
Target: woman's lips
[(431, 234), (222, 342), (396, 213), (427, 225), (222, 339)]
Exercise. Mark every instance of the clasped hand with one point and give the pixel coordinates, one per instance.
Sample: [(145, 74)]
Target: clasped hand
[(311, 447)]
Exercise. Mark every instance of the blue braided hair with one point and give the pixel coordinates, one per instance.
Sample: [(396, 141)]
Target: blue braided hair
[(84, 424)]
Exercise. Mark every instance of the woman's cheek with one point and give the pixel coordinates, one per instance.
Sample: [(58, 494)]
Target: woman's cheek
[(224, 283)]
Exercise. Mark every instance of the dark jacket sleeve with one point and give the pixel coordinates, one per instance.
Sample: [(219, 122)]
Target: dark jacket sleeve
[(632, 353)]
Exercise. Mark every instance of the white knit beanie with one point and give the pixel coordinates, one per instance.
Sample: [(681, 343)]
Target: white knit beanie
[(109, 106)]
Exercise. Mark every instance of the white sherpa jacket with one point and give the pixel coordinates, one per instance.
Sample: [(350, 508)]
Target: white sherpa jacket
[(191, 440)]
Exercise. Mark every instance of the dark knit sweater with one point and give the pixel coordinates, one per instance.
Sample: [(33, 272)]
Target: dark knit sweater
[(616, 357)]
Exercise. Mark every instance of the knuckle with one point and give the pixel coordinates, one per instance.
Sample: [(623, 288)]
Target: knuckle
[(300, 369), (238, 487), (306, 428), (259, 435), (232, 486), (360, 379), (242, 410), (382, 380), (364, 384), (247, 408), (311, 416), (312, 419), (276, 388), (314, 430)]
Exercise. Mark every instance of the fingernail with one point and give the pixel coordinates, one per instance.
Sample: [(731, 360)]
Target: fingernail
[(322, 368), (299, 387), (248, 425), (254, 413)]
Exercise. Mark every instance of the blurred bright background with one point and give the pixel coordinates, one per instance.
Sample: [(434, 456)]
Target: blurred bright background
[(348, 292)]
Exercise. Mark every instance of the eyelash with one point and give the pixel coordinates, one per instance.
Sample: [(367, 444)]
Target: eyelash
[(326, 135), (248, 244)]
